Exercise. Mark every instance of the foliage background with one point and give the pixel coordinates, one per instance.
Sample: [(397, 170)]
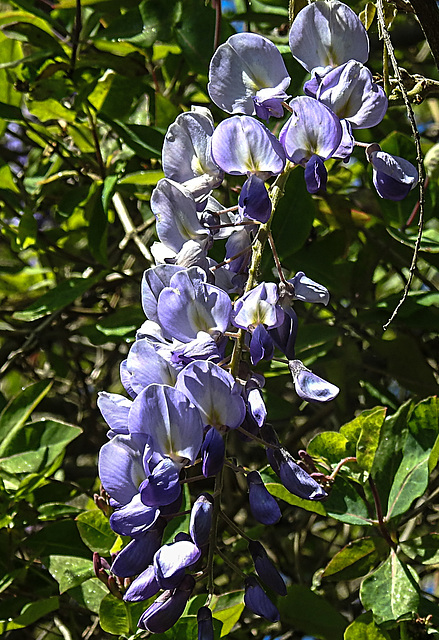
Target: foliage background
[(87, 90)]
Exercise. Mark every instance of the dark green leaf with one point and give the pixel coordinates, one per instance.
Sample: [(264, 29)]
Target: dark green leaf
[(69, 571), (146, 141), (424, 549), (304, 610), (346, 504), (90, 594), (356, 559), (95, 531), (15, 414), (391, 592), (36, 446), (30, 613), (57, 298)]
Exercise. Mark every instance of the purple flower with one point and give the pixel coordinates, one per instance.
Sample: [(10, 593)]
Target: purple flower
[(262, 504), (186, 151), (205, 624), (247, 75), (257, 600), (266, 569), (190, 305), (308, 290), (168, 607), (177, 220), (351, 94), (312, 129), (171, 561), (393, 177), (295, 479), (201, 519), (172, 423), (143, 587), (212, 453), (214, 392), (242, 145), (328, 33), (309, 386)]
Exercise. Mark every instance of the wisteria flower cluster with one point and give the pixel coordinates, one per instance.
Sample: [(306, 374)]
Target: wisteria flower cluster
[(187, 386)]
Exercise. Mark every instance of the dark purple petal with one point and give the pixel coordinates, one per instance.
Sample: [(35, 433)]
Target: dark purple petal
[(261, 345), (262, 504), (162, 487), (266, 569), (143, 587), (201, 519), (133, 518), (212, 453), (316, 175), (205, 624), (139, 553), (257, 600), (166, 610), (393, 177), (295, 479), (171, 560), (284, 336), (254, 202)]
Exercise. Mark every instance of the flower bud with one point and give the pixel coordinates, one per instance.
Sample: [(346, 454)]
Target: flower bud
[(266, 569), (168, 607), (262, 504), (257, 600), (201, 519), (205, 624)]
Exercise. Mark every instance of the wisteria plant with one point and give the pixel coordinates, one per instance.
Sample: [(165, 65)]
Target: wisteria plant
[(227, 462)]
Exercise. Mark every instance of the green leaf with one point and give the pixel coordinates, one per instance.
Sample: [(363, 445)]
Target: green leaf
[(147, 178), (364, 628), (391, 592), (57, 298), (69, 571), (95, 531), (365, 430), (331, 446), (179, 523), (345, 504), (424, 549), (90, 594), (97, 217), (50, 109), (356, 559), (411, 477), (388, 455), (30, 613), (10, 112), (15, 414), (429, 240), (278, 491), (119, 617), (304, 610), (146, 141), (60, 538), (186, 628), (228, 608), (36, 446)]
